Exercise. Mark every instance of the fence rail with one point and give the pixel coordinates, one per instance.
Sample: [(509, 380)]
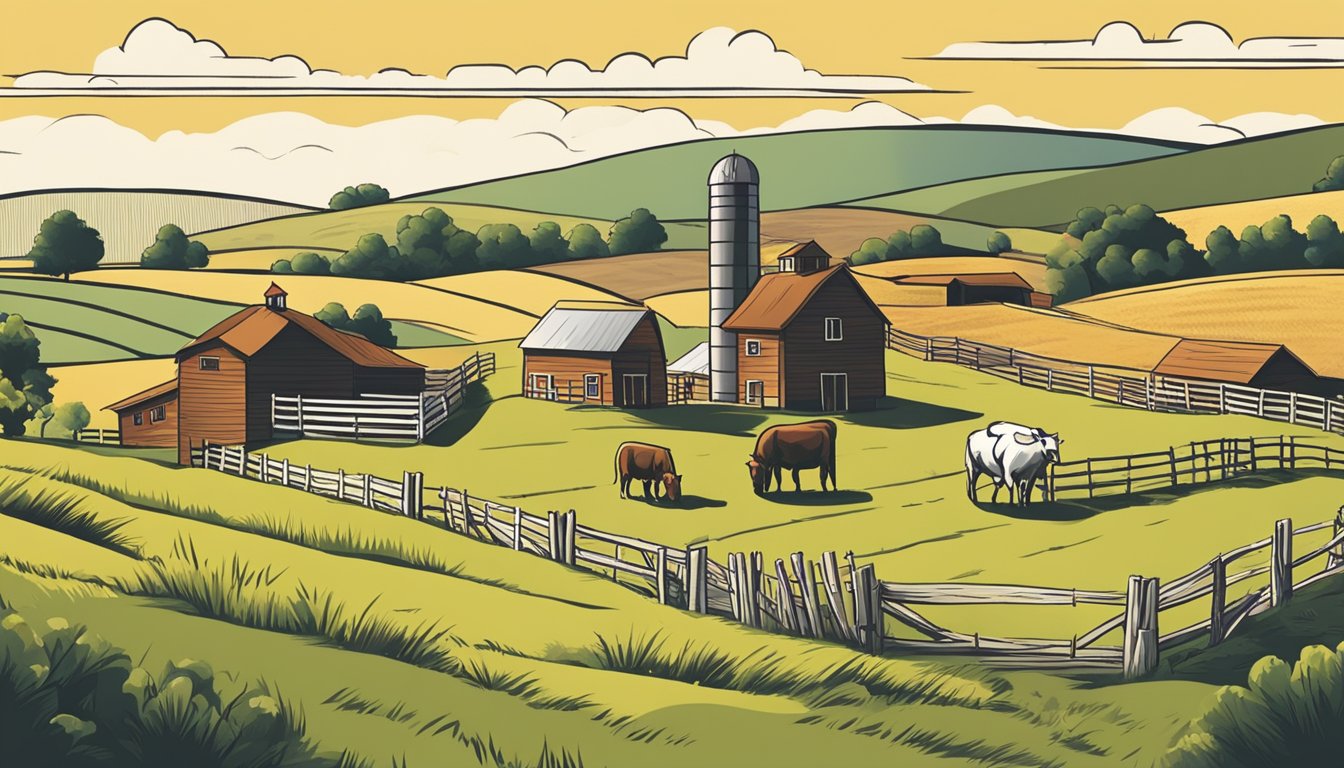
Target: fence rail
[(99, 436), (383, 417), (837, 599), (1124, 386)]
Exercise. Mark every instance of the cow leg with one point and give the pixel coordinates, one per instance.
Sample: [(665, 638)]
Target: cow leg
[(647, 490), (797, 486), (657, 489), (972, 475), (824, 471), (995, 498), (625, 486), (779, 479)]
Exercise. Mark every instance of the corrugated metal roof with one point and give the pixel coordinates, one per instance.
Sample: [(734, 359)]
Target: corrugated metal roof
[(583, 330), (1231, 361), (156, 391), (696, 361)]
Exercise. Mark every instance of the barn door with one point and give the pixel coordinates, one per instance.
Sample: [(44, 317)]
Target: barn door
[(635, 388), (834, 391)]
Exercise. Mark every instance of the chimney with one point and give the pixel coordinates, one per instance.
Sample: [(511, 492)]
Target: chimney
[(275, 297)]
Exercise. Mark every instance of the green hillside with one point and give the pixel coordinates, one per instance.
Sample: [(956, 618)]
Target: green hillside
[(1245, 170), (93, 323), (800, 169)]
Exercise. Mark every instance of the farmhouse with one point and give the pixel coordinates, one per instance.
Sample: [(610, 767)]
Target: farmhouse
[(810, 339), (603, 354), (988, 288), (227, 377), (1266, 366)]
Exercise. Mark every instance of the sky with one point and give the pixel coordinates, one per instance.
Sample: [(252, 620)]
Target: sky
[(280, 99)]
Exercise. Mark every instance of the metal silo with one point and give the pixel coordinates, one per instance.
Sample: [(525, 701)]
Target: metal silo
[(734, 262)]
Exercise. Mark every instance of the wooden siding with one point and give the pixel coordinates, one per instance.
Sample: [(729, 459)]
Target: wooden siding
[(860, 354), (212, 405), (764, 367), (642, 354), (293, 363), (150, 434), (389, 381), (569, 370)]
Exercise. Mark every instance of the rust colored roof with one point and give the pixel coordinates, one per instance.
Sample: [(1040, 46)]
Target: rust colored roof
[(999, 279), (801, 248), (1232, 361), (1042, 300), (158, 390), (779, 297), (275, 290), (248, 331)]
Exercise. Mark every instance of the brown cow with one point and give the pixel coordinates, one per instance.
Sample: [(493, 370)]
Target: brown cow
[(793, 446), (652, 464)]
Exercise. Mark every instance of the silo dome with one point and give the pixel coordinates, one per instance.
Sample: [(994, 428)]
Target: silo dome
[(734, 169)]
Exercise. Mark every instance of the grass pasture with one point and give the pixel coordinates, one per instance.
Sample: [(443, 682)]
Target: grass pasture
[(259, 259)]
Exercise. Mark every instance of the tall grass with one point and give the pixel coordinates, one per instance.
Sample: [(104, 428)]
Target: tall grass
[(60, 511)]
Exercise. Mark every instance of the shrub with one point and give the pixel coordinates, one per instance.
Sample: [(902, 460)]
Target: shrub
[(358, 197), (172, 250), (1283, 717), (367, 322), (998, 242), (640, 232)]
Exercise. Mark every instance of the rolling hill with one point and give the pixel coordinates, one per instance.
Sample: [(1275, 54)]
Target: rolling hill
[(1252, 169)]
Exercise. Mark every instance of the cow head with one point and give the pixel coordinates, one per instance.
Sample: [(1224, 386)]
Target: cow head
[(760, 475), (1050, 443), (672, 484)]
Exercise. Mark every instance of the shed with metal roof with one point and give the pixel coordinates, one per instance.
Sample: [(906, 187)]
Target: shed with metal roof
[(598, 354)]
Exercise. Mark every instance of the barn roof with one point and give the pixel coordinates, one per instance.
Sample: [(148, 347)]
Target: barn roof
[(780, 296), (1232, 361), (694, 362), (583, 329), (248, 331), (158, 390), (1000, 279)]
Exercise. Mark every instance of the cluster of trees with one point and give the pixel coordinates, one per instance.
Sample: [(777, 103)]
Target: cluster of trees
[(430, 244), (1121, 248), (65, 244), (367, 322), (172, 249), (1334, 177), (358, 197), (25, 387), (921, 240)]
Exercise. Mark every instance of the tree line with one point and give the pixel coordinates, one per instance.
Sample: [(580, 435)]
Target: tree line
[(66, 244)]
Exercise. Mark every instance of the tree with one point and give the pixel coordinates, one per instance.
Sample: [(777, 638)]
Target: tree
[(25, 385), (358, 197), (1116, 268), (282, 266), (548, 245), (367, 322), (900, 245), (1334, 177), (503, 246), (1224, 252), (585, 242), (59, 421), (371, 257), (925, 240), (64, 245), (1325, 244), (870, 251), (998, 242), (640, 232), (172, 250), (1065, 277), (309, 263)]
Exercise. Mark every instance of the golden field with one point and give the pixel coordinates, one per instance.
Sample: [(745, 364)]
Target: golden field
[(1031, 271), (1199, 222)]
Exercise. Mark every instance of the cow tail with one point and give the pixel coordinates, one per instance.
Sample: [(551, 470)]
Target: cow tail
[(617, 463)]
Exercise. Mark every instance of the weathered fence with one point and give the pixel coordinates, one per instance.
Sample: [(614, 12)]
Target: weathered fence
[(1124, 386), (384, 417), (99, 436), (831, 599)]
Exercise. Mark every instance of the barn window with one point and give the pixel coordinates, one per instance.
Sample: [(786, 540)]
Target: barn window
[(138, 418), (755, 392), (592, 386), (156, 415), (834, 329), (753, 348), (209, 363)]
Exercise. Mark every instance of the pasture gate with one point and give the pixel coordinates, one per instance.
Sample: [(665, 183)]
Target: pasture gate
[(837, 599), (385, 417), (1125, 386)]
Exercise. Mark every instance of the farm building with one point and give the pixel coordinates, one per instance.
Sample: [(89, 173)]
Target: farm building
[(603, 354), (148, 418), (989, 288), (227, 377), (1266, 366), (811, 340), (688, 375)]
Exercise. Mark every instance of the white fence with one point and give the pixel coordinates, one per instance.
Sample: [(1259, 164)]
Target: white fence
[(382, 417)]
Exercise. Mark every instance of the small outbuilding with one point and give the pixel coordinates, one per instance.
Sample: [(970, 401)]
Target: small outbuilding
[(148, 419), (987, 288), (810, 340), (1265, 366), (602, 354), (688, 375)]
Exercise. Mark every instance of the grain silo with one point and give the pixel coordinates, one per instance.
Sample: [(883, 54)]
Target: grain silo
[(734, 262)]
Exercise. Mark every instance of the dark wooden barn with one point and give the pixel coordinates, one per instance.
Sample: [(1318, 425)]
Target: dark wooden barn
[(810, 341), (601, 354), (988, 288), (1265, 366)]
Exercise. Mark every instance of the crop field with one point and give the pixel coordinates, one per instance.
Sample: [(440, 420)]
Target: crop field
[(684, 308), (841, 230), (530, 292), (1298, 309), (259, 259), (97, 384), (1199, 222), (640, 275)]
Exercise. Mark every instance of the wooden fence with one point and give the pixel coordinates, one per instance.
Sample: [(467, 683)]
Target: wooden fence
[(99, 436), (385, 417), (1124, 386), (833, 598)]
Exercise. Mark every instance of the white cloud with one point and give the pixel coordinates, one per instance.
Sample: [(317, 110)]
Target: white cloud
[(1194, 43), (158, 55)]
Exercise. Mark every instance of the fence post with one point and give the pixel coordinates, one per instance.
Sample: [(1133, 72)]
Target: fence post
[(660, 574), (284, 472), (868, 609), (407, 486), (1336, 556), (242, 462), (1292, 407), (570, 522), (788, 614), (553, 534), (308, 478), (830, 577), (1140, 649), (1171, 456), (340, 484), (367, 491), (420, 420), (807, 586), (418, 494), (1281, 566), (1091, 384), (752, 566), (734, 590), (298, 404), (447, 512), (273, 411), (697, 579), (1222, 398), (517, 529), (1218, 607)]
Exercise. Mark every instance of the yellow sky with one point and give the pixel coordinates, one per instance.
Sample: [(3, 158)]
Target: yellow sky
[(838, 36)]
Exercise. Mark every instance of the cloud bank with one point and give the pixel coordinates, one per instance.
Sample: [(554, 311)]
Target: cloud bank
[(298, 158), (159, 56), (1194, 43)]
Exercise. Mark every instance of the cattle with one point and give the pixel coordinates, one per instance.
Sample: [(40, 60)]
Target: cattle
[(651, 464), (1011, 455), (809, 445)]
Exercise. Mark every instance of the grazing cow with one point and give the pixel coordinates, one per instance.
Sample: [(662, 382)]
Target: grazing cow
[(1012, 455), (793, 446), (652, 464)]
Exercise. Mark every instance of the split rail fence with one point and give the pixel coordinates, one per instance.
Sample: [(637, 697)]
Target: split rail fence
[(834, 598), (99, 436), (1124, 386), (385, 417)]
